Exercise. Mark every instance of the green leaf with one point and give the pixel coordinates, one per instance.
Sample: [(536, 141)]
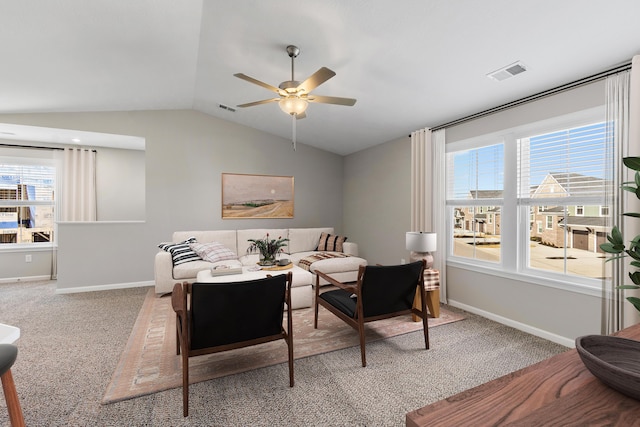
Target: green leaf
[(635, 301), (632, 163), (637, 179), (627, 287), (629, 188), (611, 249), (636, 264), (632, 214), (635, 277), (616, 235), (613, 258)]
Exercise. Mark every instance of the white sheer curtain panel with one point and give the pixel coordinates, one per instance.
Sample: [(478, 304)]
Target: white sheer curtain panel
[(428, 211), (631, 203), (617, 126), (79, 185)]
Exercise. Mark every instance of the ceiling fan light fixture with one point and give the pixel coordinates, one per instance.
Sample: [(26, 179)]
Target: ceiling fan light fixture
[(293, 105)]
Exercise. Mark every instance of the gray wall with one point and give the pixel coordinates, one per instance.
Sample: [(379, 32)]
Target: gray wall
[(377, 204), (186, 152), (377, 200)]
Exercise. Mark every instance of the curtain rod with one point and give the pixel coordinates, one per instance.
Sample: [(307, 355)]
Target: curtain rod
[(599, 76), (36, 147)]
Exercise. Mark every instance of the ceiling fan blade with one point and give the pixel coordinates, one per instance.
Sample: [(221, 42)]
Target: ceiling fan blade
[(331, 100), (257, 82), (301, 116), (264, 101), (316, 79)]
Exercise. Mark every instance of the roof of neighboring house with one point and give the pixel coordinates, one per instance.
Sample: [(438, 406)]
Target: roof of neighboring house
[(584, 221), (486, 194), (574, 183)]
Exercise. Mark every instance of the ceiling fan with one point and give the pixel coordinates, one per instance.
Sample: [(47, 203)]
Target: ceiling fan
[(294, 97)]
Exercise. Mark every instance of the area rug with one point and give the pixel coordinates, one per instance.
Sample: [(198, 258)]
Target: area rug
[(149, 363)]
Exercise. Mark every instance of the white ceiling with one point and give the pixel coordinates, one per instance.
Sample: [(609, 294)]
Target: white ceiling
[(410, 63)]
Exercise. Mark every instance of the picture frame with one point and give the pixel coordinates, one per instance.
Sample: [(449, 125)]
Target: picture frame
[(257, 196)]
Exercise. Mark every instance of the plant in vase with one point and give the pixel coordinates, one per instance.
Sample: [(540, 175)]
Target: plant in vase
[(616, 245), (268, 248)]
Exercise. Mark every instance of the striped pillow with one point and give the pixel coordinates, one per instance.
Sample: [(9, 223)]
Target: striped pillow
[(331, 243), (180, 252), (213, 252)]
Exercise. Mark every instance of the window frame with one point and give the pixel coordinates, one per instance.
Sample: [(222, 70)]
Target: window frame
[(514, 252), (21, 157)]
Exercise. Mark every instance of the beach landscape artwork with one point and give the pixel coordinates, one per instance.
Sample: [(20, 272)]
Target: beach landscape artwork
[(257, 196)]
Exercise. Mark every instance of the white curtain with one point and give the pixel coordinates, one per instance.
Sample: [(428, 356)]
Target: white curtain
[(623, 126), (428, 211), (79, 185)]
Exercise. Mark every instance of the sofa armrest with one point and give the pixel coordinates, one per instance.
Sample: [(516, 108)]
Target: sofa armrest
[(350, 248), (163, 272)]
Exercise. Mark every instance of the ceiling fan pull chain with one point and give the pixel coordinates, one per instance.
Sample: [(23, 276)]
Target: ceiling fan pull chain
[(293, 139)]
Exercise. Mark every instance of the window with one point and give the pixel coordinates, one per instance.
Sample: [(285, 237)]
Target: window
[(27, 190), (474, 187), (545, 183)]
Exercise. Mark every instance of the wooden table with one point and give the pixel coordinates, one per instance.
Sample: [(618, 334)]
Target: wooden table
[(558, 391)]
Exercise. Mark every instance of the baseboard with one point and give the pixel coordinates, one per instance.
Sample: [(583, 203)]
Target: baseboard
[(567, 342), (104, 287), (25, 279)]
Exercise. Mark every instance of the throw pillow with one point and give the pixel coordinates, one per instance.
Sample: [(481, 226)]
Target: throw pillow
[(180, 252), (213, 251), (330, 242)]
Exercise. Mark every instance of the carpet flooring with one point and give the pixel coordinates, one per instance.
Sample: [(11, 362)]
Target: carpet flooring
[(149, 363), (70, 345)]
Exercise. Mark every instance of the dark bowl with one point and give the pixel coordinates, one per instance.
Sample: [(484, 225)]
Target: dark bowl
[(614, 361)]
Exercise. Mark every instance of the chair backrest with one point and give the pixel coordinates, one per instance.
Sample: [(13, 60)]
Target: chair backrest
[(390, 289), (224, 313)]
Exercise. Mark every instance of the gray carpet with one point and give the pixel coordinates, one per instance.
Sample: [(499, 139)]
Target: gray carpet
[(70, 345)]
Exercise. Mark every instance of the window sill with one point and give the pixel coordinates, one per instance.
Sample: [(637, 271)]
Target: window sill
[(27, 247), (532, 278)]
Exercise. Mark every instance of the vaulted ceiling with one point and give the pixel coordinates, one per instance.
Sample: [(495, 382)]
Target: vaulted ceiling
[(410, 63)]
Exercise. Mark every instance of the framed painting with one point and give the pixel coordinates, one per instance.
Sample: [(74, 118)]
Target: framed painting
[(256, 196)]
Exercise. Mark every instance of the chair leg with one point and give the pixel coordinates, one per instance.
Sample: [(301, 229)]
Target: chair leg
[(185, 383), (362, 343), (11, 396), (290, 346)]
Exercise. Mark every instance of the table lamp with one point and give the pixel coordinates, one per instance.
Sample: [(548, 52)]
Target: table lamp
[(421, 244)]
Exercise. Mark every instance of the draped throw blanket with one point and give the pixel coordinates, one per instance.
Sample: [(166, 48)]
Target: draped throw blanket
[(306, 262)]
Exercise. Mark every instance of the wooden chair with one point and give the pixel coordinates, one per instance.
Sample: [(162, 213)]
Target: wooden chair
[(215, 317), (380, 292)]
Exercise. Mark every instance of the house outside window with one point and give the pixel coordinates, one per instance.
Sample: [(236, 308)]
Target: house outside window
[(604, 211), (580, 210)]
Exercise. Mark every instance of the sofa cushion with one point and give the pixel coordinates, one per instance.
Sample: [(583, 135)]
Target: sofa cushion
[(305, 239), (226, 237), (180, 252), (213, 251), (330, 242)]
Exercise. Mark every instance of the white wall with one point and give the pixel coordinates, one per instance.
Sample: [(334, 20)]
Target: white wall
[(186, 152), (120, 184)]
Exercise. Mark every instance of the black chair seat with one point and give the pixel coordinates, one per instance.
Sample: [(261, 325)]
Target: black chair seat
[(8, 355), (341, 300)]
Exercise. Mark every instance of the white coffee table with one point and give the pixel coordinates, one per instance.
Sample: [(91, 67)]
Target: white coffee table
[(8, 334), (301, 290)]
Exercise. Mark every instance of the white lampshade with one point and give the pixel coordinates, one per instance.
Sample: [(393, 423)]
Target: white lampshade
[(293, 105), (419, 241)]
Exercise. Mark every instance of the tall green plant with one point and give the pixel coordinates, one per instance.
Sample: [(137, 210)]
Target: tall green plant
[(616, 244)]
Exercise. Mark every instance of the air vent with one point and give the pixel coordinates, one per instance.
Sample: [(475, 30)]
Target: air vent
[(226, 107), (508, 71)]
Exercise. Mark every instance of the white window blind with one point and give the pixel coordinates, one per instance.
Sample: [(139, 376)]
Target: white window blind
[(475, 174), (564, 167)]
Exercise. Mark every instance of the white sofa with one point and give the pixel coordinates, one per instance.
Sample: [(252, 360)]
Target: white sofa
[(302, 243)]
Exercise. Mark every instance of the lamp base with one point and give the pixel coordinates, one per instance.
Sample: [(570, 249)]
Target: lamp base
[(419, 256)]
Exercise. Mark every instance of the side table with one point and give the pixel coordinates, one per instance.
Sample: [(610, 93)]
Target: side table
[(432, 288)]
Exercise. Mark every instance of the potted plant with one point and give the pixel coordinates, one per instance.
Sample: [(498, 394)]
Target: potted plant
[(616, 244), (268, 248)]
